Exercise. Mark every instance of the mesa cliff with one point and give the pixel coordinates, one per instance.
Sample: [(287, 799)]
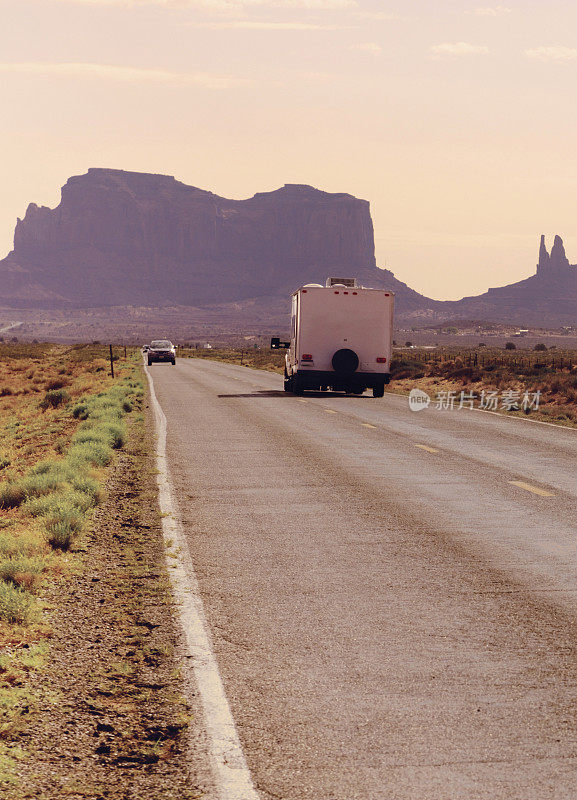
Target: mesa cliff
[(549, 297), (127, 238), (121, 239)]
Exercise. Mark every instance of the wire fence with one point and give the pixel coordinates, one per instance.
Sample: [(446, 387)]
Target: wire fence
[(473, 358)]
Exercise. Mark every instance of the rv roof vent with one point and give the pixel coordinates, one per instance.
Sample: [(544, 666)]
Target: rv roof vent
[(313, 286), (350, 282)]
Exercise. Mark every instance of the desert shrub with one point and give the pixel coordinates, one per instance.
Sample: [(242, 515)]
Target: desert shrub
[(127, 406), (6, 391), (12, 495), (44, 483), (406, 368), (79, 501), (21, 571), (89, 435), (57, 383), (69, 501), (114, 434), (60, 535), (538, 369), (4, 462), (54, 398), (80, 411), (466, 374), (556, 386), (62, 527), (88, 486), (104, 408), (412, 373), (95, 453), (40, 506), (510, 346), (60, 444), (106, 432), (540, 346), (47, 466), (16, 604), (23, 543)]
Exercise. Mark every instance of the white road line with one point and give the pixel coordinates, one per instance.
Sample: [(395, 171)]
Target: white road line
[(231, 773), (524, 419)]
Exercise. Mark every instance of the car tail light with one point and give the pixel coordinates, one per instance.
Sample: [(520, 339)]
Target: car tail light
[(381, 360), (306, 357)]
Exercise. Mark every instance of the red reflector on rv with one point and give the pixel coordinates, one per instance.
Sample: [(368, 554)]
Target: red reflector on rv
[(306, 357), (337, 292), (304, 291), (381, 360), (345, 292), (386, 294), (355, 292)]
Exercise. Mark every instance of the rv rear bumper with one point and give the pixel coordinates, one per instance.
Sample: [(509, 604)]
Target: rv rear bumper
[(316, 379)]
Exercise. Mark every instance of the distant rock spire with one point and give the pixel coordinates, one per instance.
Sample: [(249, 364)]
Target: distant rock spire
[(558, 259), (543, 256)]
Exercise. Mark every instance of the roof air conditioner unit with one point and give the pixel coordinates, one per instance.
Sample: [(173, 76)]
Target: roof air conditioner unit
[(351, 283)]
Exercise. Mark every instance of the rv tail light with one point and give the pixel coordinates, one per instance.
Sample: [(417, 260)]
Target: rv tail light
[(306, 357), (381, 360)]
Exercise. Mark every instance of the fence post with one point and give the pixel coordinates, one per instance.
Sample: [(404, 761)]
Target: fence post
[(111, 363)]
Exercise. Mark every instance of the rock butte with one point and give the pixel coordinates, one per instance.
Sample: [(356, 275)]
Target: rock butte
[(134, 238), (122, 238)]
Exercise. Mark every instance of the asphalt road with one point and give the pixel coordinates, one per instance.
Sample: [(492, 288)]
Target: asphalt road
[(393, 617)]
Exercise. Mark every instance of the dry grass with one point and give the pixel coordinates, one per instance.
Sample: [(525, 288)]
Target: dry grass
[(52, 470), (553, 375)]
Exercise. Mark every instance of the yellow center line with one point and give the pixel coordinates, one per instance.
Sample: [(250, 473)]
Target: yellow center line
[(534, 489), (329, 411), (428, 449), (300, 400), (368, 425)]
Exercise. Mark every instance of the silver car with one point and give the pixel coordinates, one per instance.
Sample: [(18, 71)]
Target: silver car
[(161, 350)]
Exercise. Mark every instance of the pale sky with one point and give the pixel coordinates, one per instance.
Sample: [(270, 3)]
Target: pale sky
[(457, 120)]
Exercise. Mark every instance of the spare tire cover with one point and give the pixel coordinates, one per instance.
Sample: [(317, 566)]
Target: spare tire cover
[(345, 361)]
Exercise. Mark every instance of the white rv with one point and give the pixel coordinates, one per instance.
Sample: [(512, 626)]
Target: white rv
[(341, 338)]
